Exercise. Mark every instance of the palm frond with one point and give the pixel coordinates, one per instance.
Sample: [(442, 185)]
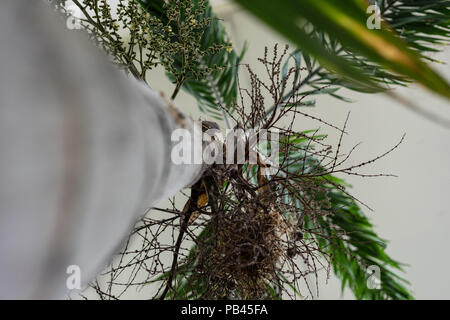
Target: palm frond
[(345, 235), (345, 23), (320, 50), (358, 250), (216, 92)]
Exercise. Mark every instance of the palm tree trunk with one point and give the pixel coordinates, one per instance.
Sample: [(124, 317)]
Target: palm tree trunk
[(83, 151)]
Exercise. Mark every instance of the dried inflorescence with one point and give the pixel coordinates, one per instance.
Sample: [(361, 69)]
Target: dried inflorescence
[(238, 254), (244, 234)]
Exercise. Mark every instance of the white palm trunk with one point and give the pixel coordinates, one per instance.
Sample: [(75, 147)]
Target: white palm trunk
[(83, 151)]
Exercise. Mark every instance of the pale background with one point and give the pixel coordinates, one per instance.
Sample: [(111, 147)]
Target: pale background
[(411, 211)]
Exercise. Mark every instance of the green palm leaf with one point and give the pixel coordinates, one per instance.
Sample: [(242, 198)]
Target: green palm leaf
[(345, 21), (361, 248), (217, 91)]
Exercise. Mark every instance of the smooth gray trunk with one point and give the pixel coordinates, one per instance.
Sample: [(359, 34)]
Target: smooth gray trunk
[(83, 151)]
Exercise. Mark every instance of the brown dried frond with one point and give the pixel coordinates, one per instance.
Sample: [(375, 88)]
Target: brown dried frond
[(243, 234)]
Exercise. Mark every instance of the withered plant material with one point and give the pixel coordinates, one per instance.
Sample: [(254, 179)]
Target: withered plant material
[(254, 236)]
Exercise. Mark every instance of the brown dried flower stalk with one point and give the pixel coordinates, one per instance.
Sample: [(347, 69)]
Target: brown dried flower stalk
[(244, 234)]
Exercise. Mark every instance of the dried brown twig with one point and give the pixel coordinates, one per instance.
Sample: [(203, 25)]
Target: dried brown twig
[(244, 234)]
